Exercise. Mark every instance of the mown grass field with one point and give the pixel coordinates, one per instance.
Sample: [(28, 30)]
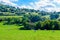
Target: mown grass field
[(11, 32), (11, 17)]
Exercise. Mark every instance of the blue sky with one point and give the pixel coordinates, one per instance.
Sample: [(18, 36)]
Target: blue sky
[(49, 5), (24, 2)]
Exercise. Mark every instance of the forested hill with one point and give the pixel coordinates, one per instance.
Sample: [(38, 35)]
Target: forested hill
[(29, 18), (9, 10), (6, 10)]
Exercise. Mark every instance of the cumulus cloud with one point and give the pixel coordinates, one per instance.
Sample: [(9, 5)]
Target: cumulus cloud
[(43, 4), (26, 6), (9, 2), (14, 0), (50, 5)]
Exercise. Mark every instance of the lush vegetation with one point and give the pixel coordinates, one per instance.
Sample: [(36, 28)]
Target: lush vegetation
[(30, 19), (28, 24), (31, 22), (12, 32)]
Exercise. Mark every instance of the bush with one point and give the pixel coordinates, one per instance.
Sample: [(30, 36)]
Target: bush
[(12, 21)]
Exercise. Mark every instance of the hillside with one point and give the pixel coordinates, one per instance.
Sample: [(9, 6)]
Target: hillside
[(29, 18), (10, 10)]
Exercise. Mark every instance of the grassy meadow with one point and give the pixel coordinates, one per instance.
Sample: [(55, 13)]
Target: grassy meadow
[(28, 24), (11, 32)]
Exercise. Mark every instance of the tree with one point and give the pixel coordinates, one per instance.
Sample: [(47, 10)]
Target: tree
[(54, 16)]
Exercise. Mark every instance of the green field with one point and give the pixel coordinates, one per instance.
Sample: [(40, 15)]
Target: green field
[(11, 16), (28, 24), (11, 32)]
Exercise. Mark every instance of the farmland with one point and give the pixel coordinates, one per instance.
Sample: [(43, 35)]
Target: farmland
[(11, 32), (28, 24)]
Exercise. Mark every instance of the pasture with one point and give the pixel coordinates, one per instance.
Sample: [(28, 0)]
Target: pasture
[(12, 32)]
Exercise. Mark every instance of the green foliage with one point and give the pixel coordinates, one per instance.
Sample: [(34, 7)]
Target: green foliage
[(6, 10), (30, 25), (45, 25), (29, 18), (54, 16)]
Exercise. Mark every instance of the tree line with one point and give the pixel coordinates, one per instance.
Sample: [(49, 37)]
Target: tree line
[(32, 22), (31, 19)]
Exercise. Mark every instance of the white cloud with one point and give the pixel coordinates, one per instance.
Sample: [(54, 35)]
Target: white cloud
[(42, 3), (57, 1), (50, 5), (14, 0), (26, 6), (9, 2)]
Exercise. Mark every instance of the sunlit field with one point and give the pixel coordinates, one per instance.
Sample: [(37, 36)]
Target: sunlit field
[(30, 22), (12, 32)]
